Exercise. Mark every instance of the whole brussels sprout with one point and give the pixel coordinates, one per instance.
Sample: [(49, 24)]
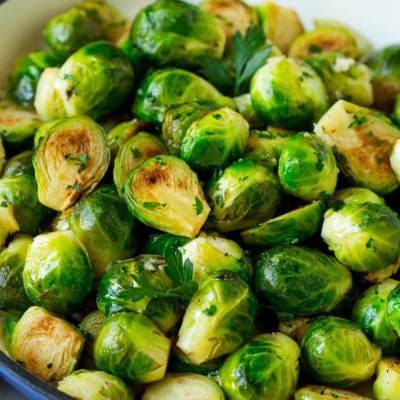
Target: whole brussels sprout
[(19, 164), (307, 167), (219, 318), (94, 385), (57, 273), (116, 291), (300, 280), (210, 253), (182, 386), (174, 32), (362, 141), (12, 261), (46, 345), (387, 381), (131, 347), (215, 139), (241, 195), (168, 87), (266, 367), (103, 217), (336, 352), (370, 312), (164, 193), (353, 195), (70, 159), (365, 237), (288, 93), (318, 392), (134, 151)]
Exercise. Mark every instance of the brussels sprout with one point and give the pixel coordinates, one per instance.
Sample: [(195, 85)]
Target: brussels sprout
[(370, 313), (336, 352), (344, 78), (176, 122), (355, 195), (293, 227), (168, 87), (8, 223), (288, 93), (94, 385), (393, 302), (362, 141), (245, 107), (384, 64), (19, 164), (69, 161), (161, 243), (307, 167), (365, 237), (282, 25), (219, 318), (57, 273), (209, 254), (215, 139), (7, 325), (117, 290), (17, 127), (300, 280), (183, 386), (12, 261), (266, 367), (130, 346), (177, 33), (25, 75), (122, 132), (103, 217), (21, 193), (164, 193), (316, 392), (241, 195), (324, 39), (133, 152), (265, 146), (47, 346), (95, 80), (387, 382)]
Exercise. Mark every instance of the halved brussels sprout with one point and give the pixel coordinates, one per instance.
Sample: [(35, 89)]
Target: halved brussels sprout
[(280, 24), (17, 127), (12, 261), (209, 254), (116, 290), (370, 312), (94, 385), (301, 280), (362, 141), (47, 346), (317, 392), (177, 33), (168, 87), (324, 39), (365, 237), (241, 195), (336, 352), (344, 78), (133, 152), (288, 93), (387, 382), (183, 386), (307, 167), (132, 347), (25, 75), (69, 161), (164, 193), (103, 217), (293, 227), (219, 318), (19, 164), (266, 367), (57, 273), (354, 195)]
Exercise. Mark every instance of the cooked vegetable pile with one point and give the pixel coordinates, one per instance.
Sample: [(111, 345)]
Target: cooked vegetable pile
[(202, 203)]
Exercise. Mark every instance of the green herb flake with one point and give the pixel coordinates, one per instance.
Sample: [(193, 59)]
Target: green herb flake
[(4, 204), (198, 206), (153, 204), (210, 311), (315, 49), (357, 121), (379, 160), (136, 152)]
